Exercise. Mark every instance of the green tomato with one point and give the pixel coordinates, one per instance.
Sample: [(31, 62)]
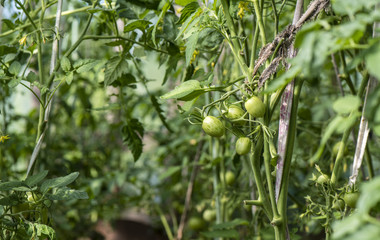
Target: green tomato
[(235, 112), (213, 126), (351, 199), (255, 107), (243, 146), (209, 215), (229, 177), (323, 179), (196, 223), (338, 205)]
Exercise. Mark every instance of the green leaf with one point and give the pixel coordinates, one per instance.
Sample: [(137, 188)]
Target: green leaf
[(69, 78), (183, 2), (65, 64), (369, 196), (15, 68), (352, 6), (133, 133), (190, 23), (35, 179), (190, 47), (68, 194), (42, 230), (6, 186), (85, 65), (186, 91), (231, 224), (58, 182), (14, 82), (138, 24), (346, 104), (228, 233), (372, 59), (32, 77), (187, 11), (115, 67)]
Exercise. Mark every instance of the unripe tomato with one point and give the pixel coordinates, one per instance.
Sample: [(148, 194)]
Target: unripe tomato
[(243, 146), (196, 223), (323, 178), (209, 215), (229, 177), (338, 205), (235, 112), (351, 199), (255, 107), (213, 126)]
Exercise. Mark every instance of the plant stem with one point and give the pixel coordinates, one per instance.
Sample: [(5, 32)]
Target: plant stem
[(260, 22), (255, 165), (282, 200)]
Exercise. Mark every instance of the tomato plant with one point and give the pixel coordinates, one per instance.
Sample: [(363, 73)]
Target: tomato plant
[(102, 105)]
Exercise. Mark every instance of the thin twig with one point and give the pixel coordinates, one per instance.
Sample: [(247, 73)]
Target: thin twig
[(189, 191)]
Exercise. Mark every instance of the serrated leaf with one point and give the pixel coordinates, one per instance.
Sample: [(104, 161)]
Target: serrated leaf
[(65, 64), (115, 67), (14, 82), (186, 12), (15, 68), (69, 78), (68, 194), (346, 104), (186, 89), (226, 233), (85, 65), (35, 179), (159, 111), (190, 22), (190, 47), (58, 182), (133, 133), (138, 24)]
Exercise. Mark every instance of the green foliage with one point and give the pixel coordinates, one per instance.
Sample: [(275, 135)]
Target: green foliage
[(112, 144)]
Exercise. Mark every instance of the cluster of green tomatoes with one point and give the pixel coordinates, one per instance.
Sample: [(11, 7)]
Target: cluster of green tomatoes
[(215, 128)]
